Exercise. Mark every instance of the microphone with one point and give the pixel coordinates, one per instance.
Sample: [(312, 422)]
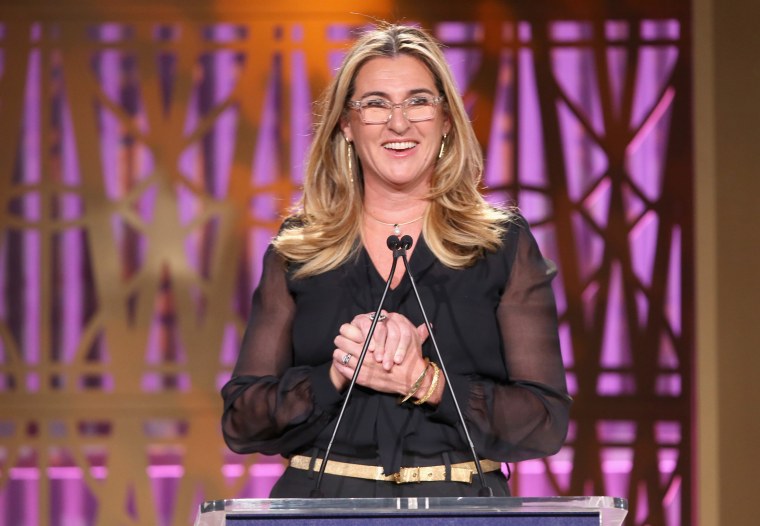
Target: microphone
[(396, 246), (394, 243), (405, 243)]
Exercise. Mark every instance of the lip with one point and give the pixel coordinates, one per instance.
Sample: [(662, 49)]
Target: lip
[(400, 147)]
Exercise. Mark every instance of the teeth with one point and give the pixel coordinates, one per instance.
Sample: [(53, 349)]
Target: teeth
[(399, 145)]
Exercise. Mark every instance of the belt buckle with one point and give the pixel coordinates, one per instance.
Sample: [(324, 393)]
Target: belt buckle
[(406, 475), (462, 474)]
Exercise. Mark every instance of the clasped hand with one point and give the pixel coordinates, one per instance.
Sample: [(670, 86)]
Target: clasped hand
[(394, 357)]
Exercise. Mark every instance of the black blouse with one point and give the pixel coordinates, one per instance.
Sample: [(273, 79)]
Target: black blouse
[(495, 324)]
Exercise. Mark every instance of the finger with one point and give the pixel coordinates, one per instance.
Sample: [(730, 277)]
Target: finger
[(403, 345), (362, 322), (423, 333), (344, 371), (342, 357), (352, 332), (378, 341), (377, 344), (378, 337), (344, 344), (392, 340), (347, 346)]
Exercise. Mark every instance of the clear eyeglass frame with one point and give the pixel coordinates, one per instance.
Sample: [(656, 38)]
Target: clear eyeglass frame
[(415, 109)]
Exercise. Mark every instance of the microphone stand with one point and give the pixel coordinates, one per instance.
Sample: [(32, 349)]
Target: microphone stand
[(395, 245), (404, 245)]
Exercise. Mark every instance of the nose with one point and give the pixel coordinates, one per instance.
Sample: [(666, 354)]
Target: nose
[(398, 121)]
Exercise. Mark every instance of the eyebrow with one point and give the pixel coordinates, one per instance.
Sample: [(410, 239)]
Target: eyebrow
[(411, 93)]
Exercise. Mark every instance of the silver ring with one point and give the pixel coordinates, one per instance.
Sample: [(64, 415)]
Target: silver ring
[(346, 359), (380, 318)]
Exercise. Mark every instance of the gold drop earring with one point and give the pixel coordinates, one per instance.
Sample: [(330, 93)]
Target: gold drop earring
[(350, 160), (443, 147)]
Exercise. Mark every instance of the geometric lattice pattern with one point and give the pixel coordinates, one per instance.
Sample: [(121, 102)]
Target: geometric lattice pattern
[(596, 167), (146, 161)]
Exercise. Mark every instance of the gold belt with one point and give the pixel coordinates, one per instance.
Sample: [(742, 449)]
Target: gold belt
[(461, 472)]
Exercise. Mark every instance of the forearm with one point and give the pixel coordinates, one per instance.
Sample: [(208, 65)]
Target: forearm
[(276, 415), (511, 422)]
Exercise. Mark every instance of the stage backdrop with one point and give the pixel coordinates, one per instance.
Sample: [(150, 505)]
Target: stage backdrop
[(149, 151)]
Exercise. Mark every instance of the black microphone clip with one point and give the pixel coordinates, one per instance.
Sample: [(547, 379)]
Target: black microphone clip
[(397, 245), (393, 242), (406, 242)]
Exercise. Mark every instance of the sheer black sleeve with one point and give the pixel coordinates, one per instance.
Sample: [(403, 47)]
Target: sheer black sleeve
[(271, 406), (526, 416)]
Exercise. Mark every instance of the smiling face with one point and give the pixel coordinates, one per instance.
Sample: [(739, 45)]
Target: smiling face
[(399, 155)]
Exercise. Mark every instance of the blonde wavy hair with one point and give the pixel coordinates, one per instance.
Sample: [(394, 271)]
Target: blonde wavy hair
[(324, 231)]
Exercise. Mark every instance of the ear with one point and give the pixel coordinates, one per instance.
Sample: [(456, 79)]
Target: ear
[(345, 126), (446, 122)]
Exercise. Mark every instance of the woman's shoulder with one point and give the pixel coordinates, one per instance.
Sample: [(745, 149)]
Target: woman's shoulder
[(506, 218), (290, 227), (515, 230)]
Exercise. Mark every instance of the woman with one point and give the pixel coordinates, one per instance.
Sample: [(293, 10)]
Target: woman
[(395, 153)]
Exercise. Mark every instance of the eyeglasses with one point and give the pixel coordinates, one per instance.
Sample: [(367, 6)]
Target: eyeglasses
[(380, 111)]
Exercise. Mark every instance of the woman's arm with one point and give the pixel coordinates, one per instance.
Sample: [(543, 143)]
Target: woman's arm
[(270, 406), (526, 417)]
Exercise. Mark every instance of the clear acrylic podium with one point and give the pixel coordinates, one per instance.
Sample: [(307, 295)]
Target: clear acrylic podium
[(446, 511)]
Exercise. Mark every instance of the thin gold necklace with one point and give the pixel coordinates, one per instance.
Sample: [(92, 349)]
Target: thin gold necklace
[(396, 226)]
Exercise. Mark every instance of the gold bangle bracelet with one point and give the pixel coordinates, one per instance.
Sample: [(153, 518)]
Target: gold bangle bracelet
[(433, 385), (416, 385)]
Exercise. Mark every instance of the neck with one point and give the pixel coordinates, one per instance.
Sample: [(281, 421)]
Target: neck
[(404, 221), (396, 216), (394, 207)]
